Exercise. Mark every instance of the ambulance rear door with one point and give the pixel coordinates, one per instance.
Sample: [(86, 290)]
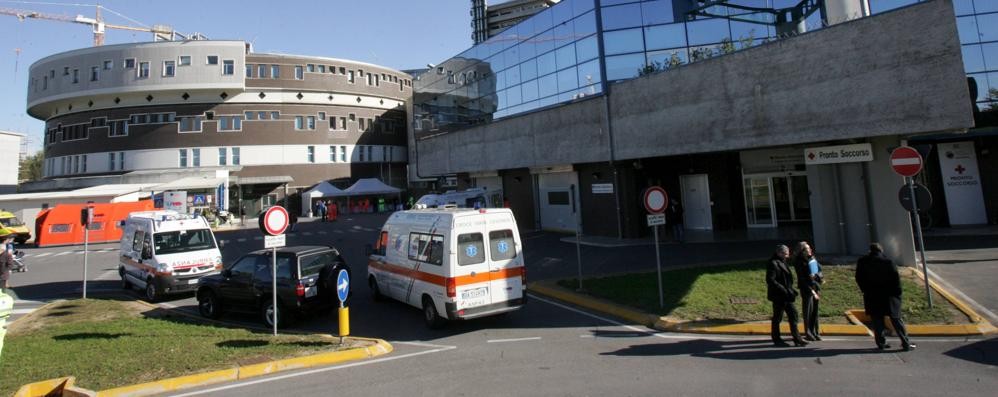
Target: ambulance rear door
[(505, 257), (471, 269)]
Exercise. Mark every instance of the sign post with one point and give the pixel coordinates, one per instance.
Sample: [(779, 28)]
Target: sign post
[(655, 201), (907, 162), (343, 292), (578, 234), (86, 217), (273, 223)]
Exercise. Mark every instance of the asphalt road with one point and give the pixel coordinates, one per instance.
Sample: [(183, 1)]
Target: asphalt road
[(549, 348)]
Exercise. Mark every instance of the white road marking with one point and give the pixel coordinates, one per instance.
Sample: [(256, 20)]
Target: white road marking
[(513, 340), (338, 231), (323, 232), (307, 233), (64, 253), (43, 255), (316, 371), (21, 311)]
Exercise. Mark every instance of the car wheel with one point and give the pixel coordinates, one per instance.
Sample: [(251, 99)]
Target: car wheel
[(209, 305), (267, 313), (125, 284), (430, 315), (375, 291), (151, 294)]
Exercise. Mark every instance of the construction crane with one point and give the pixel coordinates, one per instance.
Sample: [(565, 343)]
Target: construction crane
[(97, 24)]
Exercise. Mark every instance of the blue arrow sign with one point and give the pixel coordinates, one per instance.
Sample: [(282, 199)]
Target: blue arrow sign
[(343, 285)]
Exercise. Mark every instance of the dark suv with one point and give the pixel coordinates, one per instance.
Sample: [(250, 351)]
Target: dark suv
[(306, 282)]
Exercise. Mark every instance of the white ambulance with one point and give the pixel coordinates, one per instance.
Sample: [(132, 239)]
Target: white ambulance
[(452, 263), (166, 252)]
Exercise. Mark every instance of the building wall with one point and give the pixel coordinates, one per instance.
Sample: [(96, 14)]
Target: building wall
[(10, 157)]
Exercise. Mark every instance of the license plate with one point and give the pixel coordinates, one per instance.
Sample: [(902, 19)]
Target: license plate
[(475, 293), (311, 291), (192, 281)]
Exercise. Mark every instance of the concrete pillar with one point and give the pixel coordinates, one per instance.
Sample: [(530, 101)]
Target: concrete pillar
[(852, 196), (825, 217), (891, 223), (838, 11)]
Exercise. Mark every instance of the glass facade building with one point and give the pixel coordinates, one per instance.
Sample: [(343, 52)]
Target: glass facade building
[(556, 56)]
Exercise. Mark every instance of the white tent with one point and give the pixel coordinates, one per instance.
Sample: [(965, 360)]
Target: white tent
[(323, 189), (369, 187)]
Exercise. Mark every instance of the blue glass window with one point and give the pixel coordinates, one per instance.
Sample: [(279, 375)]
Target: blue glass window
[(579, 7), (585, 25), (990, 51), (967, 27), (512, 76), (993, 79), (982, 85), (527, 50), (620, 17), (568, 80), (623, 41), (615, 2), (501, 80), (624, 66), (878, 6), (513, 96), (973, 60), (546, 64), (985, 5), (544, 42), (529, 91), (564, 34), (987, 25), (589, 73), (744, 30), (528, 70), (547, 85), (561, 12), (707, 31), (963, 7), (525, 29), (665, 36), (665, 56), (565, 56), (500, 101), (656, 12), (586, 49), (512, 56)]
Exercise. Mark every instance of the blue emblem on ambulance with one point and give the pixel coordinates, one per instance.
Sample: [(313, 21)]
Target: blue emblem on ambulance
[(471, 251), (502, 247)]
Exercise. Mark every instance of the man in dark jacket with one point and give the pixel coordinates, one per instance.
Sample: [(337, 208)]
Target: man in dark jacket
[(780, 290), (6, 258), (878, 279)]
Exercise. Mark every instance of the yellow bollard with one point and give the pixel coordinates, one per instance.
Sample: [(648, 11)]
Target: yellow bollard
[(344, 321)]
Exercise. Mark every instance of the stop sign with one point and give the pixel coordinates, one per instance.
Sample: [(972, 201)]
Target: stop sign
[(906, 161)]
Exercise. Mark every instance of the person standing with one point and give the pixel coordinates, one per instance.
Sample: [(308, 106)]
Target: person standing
[(809, 281), (333, 210), (6, 258), (780, 291), (879, 280), (322, 210), (292, 220), (674, 217)]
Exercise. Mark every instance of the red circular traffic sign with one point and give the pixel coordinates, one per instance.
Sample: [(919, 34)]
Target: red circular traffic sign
[(655, 200), (274, 221), (906, 161)]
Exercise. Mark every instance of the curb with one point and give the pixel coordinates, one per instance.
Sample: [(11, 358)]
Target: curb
[(856, 328)]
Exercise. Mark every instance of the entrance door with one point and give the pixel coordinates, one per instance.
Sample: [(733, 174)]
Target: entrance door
[(696, 202), (759, 202), (557, 199), (790, 198)]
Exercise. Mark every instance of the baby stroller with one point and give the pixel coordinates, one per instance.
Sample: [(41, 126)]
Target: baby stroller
[(19, 265)]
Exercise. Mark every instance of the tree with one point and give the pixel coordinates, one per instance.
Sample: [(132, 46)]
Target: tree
[(31, 167), (993, 96)]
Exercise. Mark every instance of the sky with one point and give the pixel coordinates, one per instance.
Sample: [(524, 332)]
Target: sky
[(400, 34)]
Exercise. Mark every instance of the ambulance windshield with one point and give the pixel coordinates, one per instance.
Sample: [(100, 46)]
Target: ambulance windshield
[(183, 241)]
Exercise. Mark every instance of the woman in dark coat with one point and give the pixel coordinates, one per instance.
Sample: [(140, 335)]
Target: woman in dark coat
[(880, 282), (780, 290), (809, 284)]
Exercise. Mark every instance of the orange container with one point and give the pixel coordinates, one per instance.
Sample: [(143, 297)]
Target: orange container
[(60, 225)]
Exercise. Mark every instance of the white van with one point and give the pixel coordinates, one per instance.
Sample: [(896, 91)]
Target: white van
[(453, 263), (166, 252)]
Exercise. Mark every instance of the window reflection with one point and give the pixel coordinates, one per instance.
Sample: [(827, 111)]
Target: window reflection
[(707, 31), (623, 41), (665, 36), (973, 60), (624, 66), (621, 17)]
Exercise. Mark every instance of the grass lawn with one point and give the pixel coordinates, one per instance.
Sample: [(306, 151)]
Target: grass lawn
[(732, 293), (110, 343)]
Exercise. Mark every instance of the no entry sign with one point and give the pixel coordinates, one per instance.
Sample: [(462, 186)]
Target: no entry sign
[(655, 200), (274, 221), (906, 161)]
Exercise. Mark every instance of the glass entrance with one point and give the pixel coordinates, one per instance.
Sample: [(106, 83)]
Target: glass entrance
[(759, 202)]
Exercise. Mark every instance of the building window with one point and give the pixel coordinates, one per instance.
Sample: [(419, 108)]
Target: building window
[(370, 79), (212, 59), (360, 152), (108, 64), (98, 122), (76, 76), (261, 115), (311, 122), (370, 153), (235, 156), (249, 71), (343, 154), (143, 70), (196, 157), (343, 70), (311, 154), (250, 116), (230, 123), (111, 161), (322, 116), (299, 122), (361, 122), (130, 63), (322, 68), (275, 115), (190, 124), (228, 67), (275, 71), (343, 123), (332, 154), (118, 128), (183, 158), (299, 74), (222, 156), (350, 77), (121, 161), (45, 82), (65, 70), (185, 60), (310, 68), (169, 68), (261, 71)]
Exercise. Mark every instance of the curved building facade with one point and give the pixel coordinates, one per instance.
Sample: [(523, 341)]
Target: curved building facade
[(164, 109)]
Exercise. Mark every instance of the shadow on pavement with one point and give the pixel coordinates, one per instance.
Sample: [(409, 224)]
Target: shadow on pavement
[(732, 350), (983, 352)]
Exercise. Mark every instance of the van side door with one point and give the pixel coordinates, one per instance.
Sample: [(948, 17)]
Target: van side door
[(505, 265)]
